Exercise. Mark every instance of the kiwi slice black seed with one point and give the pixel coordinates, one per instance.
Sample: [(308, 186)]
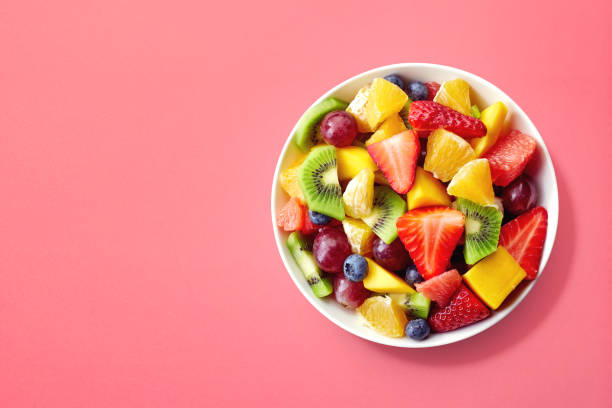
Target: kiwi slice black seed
[(404, 114), (307, 132), (415, 305), (297, 245), (318, 179), (482, 226), (387, 208)]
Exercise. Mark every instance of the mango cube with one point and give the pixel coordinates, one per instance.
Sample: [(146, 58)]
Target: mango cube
[(381, 280), (384, 100), (351, 160), (494, 277), (390, 127), (359, 235), (288, 180), (357, 108), (493, 117), (426, 191)]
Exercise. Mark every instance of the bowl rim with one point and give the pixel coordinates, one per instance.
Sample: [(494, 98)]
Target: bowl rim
[(440, 338)]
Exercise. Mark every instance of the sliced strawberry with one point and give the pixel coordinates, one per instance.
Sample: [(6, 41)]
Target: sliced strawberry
[(291, 216), (509, 156), (464, 308), (309, 227), (430, 234), (440, 288), (430, 115), (397, 158), (433, 88), (524, 238)]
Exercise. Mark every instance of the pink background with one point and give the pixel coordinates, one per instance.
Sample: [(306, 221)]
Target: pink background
[(138, 141)]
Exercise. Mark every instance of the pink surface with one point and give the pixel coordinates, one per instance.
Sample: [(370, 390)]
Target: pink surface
[(137, 147)]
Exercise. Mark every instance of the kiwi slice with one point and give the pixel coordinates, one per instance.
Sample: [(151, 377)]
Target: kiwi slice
[(387, 208), (297, 245), (404, 114), (482, 226), (318, 179), (415, 304), (308, 133)]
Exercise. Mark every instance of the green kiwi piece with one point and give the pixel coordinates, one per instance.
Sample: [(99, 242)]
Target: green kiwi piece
[(307, 133), (404, 114), (482, 226), (297, 245), (318, 179), (416, 305), (388, 207)]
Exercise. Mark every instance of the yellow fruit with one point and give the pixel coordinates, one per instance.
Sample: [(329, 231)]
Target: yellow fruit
[(359, 235), (446, 153), (456, 95), (384, 316), (384, 100), (379, 178), (288, 180), (390, 127), (351, 160), (381, 280), (494, 277), (357, 108), (358, 196), (426, 191), (473, 181), (493, 117)]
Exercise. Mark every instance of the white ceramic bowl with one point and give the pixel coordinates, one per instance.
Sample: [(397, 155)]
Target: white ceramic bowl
[(540, 168)]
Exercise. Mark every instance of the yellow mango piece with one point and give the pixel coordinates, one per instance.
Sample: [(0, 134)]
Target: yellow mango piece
[(357, 108), (426, 191), (288, 180), (351, 160), (384, 316), (358, 196), (494, 277), (473, 181), (455, 94), (493, 117), (390, 127), (381, 280), (359, 235), (384, 100)]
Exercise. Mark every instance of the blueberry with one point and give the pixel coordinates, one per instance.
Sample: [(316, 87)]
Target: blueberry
[(355, 268), (318, 218), (395, 79), (412, 275), (417, 91), (417, 329)]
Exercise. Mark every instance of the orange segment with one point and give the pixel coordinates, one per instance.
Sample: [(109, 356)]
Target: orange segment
[(384, 100), (288, 180), (392, 126), (357, 108), (456, 95), (473, 181), (384, 316), (446, 153)]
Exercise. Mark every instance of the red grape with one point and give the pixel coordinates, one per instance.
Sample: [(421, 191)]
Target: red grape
[(330, 249), (348, 293), (339, 128), (520, 195), (393, 257)]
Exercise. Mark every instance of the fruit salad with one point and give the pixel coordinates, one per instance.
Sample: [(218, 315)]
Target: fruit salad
[(410, 206)]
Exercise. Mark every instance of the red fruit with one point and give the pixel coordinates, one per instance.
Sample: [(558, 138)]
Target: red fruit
[(440, 288), (433, 88), (509, 156), (524, 238), (349, 294), (430, 234), (309, 227), (397, 158), (291, 216), (430, 115), (464, 308)]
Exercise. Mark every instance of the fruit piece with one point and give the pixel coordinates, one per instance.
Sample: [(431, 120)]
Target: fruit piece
[(414, 304), (306, 130), (520, 195), (387, 208), (440, 288), (357, 108), (390, 127), (358, 196), (482, 226), (455, 94), (384, 316), (355, 268), (412, 275), (379, 178), (351, 160), (493, 117), (349, 294), (418, 329), (297, 245), (463, 309), (381, 280), (417, 91), (309, 227), (396, 157), (339, 128), (318, 219), (429, 115), (433, 88), (391, 256), (493, 278), (475, 112), (446, 154), (359, 235), (403, 114), (499, 204), (288, 180), (318, 180), (395, 79), (473, 181), (426, 191), (430, 235), (330, 249), (384, 100), (509, 156), (524, 238), (291, 216)]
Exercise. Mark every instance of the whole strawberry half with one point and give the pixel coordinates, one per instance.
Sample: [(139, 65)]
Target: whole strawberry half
[(524, 237), (397, 158), (463, 309), (509, 156), (430, 115)]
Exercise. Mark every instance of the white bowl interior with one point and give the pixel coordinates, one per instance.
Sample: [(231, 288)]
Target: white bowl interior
[(540, 168)]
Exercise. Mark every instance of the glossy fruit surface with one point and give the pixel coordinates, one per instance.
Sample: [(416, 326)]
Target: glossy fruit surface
[(509, 156), (339, 128), (330, 249), (446, 154), (318, 218), (349, 294), (381, 280), (357, 108), (440, 288), (384, 99), (395, 79), (493, 117), (418, 329), (426, 191), (473, 182), (455, 94), (393, 257), (433, 88), (412, 275), (520, 195), (390, 127), (397, 157), (360, 236), (355, 268), (463, 309), (351, 160), (429, 115), (358, 196), (417, 91), (291, 216), (384, 316)]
